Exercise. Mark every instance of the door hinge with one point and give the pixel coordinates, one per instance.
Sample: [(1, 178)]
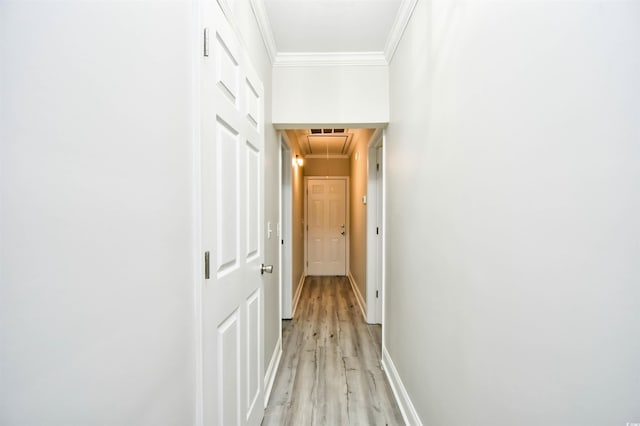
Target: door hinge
[(378, 167), (377, 230), (205, 44), (206, 266), (282, 242), (376, 294)]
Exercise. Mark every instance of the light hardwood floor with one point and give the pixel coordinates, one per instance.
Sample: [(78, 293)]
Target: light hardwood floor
[(330, 372)]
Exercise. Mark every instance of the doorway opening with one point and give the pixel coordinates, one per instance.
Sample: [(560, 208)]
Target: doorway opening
[(316, 158)]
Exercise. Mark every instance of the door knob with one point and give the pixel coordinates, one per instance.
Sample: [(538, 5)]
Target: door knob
[(343, 233), (266, 268)]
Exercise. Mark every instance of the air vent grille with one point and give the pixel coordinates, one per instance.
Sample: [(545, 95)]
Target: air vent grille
[(326, 131)]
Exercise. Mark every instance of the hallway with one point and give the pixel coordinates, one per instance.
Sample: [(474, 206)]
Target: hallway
[(149, 174), (330, 372)]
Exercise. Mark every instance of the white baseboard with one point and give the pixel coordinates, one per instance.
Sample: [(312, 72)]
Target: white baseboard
[(361, 302), (296, 298), (270, 375), (407, 409)]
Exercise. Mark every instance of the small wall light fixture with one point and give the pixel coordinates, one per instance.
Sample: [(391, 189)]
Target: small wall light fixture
[(298, 161)]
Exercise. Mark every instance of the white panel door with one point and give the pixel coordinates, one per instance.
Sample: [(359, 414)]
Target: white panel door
[(231, 170), (326, 232)]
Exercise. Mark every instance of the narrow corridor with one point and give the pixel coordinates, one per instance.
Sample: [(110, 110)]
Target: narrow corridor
[(330, 373)]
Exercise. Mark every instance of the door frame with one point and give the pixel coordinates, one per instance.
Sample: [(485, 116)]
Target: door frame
[(375, 234), (285, 229), (383, 248), (306, 219)]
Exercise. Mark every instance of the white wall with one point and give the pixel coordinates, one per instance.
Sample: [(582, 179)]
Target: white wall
[(96, 225), (513, 206), (296, 245), (297, 223), (358, 212), (326, 167), (355, 95), (96, 285)]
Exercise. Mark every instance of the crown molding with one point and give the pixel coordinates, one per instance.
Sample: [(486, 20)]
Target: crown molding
[(349, 125), (304, 59), (399, 26), (264, 25)]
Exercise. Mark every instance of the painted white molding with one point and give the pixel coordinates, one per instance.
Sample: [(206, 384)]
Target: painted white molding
[(359, 298), (264, 25), (306, 59), (375, 138), (270, 376), (226, 10), (347, 125), (374, 265), (296, 298), (407, 409), (399, 26), (383, 202)]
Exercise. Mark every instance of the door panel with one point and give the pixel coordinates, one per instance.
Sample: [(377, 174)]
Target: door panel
[(227, 67), (253, 201), (229, 369), (315, 251), (335, 250), (336, 213), (232, 213), (253, 104), (227, 196), (253, 351), (326, 234), (317, 213)]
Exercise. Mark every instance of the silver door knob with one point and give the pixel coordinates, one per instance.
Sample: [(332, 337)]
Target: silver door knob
[(266, 268)]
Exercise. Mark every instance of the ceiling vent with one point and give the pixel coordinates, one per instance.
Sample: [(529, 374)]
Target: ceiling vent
[(326, 131), (327, 142)]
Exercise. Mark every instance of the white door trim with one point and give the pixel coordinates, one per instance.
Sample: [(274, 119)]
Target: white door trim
[(383, 263), (285, 230), (306, 218), (198, 245), (374, 232)]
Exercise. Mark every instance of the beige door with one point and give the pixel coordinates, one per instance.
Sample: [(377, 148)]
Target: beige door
[(326, 232), (231, 170)]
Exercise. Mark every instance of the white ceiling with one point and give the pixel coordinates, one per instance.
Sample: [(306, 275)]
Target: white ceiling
[(331, 26), (332, 32)]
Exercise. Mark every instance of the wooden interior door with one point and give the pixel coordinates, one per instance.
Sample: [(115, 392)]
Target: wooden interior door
[(231, 170), (326, 226)]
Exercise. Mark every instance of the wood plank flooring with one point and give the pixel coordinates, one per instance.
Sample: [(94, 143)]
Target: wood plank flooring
[(330, 372)]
